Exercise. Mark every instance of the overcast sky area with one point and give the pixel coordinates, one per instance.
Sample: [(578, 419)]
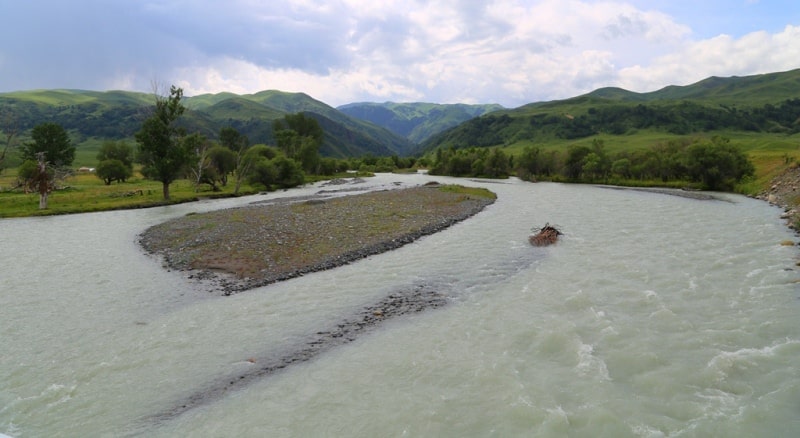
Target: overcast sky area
[(510, 52)]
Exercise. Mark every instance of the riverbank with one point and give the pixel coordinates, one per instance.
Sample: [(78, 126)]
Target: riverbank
[(784, 192), (239, 249)]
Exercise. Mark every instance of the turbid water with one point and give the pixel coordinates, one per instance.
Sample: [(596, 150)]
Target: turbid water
[(655, 315)]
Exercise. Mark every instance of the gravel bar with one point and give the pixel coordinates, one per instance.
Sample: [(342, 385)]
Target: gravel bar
[(237, 249)]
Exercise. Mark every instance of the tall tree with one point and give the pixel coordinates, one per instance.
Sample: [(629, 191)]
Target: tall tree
[(718, 164), (230, 138), (161, 151), (113, 170), (300, 138), (198, 146), (116, 150), (52, 140), (115, 161), (41, 180)]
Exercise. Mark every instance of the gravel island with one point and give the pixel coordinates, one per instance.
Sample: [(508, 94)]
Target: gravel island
[(247, 247)]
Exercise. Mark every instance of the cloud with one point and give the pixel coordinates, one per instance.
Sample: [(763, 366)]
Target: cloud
[(753, 53), (507, 51)]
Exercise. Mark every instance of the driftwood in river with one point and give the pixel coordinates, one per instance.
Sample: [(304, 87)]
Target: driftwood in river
[(547, 235)]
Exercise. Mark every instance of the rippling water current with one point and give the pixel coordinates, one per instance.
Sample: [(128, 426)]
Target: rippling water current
[(656, 315)]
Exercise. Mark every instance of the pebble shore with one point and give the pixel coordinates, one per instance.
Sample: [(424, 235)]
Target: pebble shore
[(238, 249)]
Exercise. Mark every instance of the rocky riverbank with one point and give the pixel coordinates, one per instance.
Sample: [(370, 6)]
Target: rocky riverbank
[(784, 192), (238, 249)]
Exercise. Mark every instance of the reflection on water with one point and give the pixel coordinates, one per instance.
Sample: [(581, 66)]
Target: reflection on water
[(654, 315)]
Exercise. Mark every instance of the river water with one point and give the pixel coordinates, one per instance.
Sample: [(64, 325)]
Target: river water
[(655, 315)]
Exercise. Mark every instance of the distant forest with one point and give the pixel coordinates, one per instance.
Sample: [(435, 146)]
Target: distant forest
[(88, 119), (618, 119)]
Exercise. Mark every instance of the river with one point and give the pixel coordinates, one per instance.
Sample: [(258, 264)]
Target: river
[(655, 315)]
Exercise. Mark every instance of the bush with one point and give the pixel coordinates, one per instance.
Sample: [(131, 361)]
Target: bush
[(113, 170)]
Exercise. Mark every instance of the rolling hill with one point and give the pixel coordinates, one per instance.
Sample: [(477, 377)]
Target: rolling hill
[(119, 114), (767, 103), (416, 121)]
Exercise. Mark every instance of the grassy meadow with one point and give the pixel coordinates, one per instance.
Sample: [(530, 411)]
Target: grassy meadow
[(85, 192)]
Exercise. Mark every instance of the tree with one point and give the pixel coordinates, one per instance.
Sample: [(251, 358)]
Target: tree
[(161, 151), (621, 167), (717, 164), (116, 162), (308, 155), (116, 150), (496, 164), (38, 177), (51, 140), (300, 138), (263, 172), (528, 163), (223, 162), (230, 138), (573, 166), (113, 170), (289, 172), (198, 146)]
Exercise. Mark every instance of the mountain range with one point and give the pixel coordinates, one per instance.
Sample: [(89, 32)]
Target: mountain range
[(766, 102), (119, 114)]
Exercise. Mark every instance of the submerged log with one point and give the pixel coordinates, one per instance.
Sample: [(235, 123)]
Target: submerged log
[(547, 235)]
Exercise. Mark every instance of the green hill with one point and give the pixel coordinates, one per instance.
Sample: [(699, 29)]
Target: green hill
[(768, 103), (416, 121), (91, 116)]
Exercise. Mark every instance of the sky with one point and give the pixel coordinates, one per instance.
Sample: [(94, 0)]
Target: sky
[(510, 52)]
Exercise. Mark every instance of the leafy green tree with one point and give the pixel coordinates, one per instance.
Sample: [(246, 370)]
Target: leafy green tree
[(621, 167), (290, 174), (308, 155), (300, 138), (116, 150), (223, 162), (116, 162), (331, 166), (25, 172), (39, 177), (161, 151), (717, 164), (496, 164), (271, 168), (113, 170), (263, 173), (529, 163), (52, 140), (573, 167), (592, 166)]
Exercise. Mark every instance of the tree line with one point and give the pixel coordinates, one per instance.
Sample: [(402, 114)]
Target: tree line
[(709, 163)]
